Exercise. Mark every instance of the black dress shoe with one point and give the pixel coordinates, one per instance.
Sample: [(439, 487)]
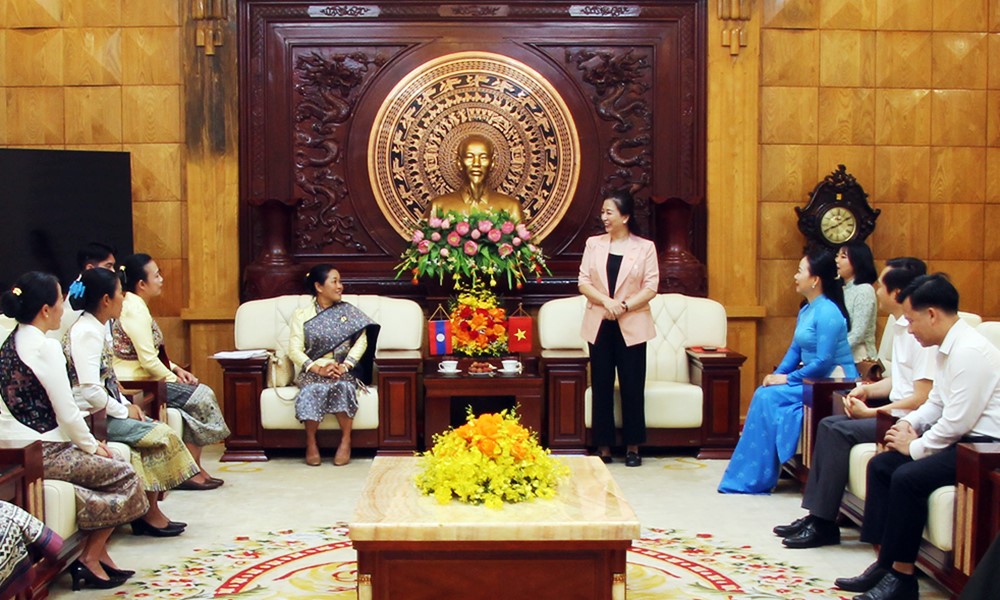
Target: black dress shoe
[(632, 459), (142, 527), (793, 527), (816, 533), (893, 586), (606, 459), (864, 582)]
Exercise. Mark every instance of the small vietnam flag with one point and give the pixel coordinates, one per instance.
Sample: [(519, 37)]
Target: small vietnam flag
[(519, 334), (439, 337)]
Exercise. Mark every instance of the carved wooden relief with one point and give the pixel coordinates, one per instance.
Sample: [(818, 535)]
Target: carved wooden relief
[(314, 76)]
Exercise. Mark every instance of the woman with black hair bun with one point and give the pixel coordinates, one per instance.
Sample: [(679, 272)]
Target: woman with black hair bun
[(38, 404), (158, 455), (856, 268), (332, 344), (774, 421), (140, 354)]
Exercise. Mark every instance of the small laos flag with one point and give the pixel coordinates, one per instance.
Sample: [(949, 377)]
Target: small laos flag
[(519, 334), (439, 337)]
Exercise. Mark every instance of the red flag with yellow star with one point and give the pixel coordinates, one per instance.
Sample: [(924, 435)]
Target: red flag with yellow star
[(519, 337)]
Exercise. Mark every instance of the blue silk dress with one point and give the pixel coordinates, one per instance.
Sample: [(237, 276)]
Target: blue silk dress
[(774, 421)]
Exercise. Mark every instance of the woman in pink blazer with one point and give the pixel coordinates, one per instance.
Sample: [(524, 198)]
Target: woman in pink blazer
[(618, 275)]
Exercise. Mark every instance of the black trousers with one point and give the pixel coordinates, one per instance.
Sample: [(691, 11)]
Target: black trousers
[(896, 501), (607, 354), (831, 461)]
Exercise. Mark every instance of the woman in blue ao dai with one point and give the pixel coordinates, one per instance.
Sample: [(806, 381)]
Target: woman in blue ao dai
[(774, 421)]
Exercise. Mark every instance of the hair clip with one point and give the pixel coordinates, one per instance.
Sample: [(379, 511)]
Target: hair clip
[(16, 291), (77, 289), (121, 268)]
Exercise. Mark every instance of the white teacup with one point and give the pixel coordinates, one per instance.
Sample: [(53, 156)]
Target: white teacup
[(448, 366), (511, 365)]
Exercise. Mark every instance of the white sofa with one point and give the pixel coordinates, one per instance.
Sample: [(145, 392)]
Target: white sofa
[(940, 539), (260, 397), (691, 400)]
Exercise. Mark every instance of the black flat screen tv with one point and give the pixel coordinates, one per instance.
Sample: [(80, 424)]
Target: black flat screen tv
[(52, 202)]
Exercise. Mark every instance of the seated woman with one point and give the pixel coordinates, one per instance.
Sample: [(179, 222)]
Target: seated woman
[(21, 537), (856, 268), (774, 421), (332, 345), (39, 405), (158, 455), (138, 347)]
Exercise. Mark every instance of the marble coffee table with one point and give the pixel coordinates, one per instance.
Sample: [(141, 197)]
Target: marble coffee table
[(573, 546)]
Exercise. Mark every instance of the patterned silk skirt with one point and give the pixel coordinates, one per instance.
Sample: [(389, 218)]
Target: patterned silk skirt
[(320, 396), (158, 456), (203, 421), (21, 535), (108, 491)]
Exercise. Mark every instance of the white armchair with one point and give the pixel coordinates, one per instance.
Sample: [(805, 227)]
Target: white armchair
[(260, 396), (692, 398)]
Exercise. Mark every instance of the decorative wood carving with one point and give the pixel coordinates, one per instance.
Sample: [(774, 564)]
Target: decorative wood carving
[(312, 77)]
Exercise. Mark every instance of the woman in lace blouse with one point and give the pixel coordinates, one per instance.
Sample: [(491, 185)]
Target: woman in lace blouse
[(857, 270)]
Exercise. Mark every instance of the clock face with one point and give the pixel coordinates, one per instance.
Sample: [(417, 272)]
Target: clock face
[(838, 225)]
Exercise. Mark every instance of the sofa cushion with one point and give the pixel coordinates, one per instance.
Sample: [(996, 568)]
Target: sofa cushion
[(858, 468), (669, 405), (940, 527), (59, 497), (277, 410)]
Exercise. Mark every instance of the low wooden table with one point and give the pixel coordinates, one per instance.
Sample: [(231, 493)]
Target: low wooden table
[(439, 390), (573, 546)]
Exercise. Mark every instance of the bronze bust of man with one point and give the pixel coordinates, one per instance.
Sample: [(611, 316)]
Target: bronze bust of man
[(475, 156)]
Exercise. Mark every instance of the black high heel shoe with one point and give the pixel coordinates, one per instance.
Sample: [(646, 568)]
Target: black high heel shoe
[(82, 575), (142, 527), (113, 572)]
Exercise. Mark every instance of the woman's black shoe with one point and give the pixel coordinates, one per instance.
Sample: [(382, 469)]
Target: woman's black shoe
[(141, 527), (606, 459), (632, 459), (176, 524), (82, 575), (113, 572)]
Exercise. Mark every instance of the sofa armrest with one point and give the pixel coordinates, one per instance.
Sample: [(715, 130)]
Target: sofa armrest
[(883, 422), (718, 375), (22, 475), (154, 396), (974, 503), (565, 373), (397, 380), (242, 382)]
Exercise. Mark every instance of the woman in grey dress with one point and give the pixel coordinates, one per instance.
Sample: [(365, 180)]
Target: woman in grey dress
[(332, 345), (856, 268)]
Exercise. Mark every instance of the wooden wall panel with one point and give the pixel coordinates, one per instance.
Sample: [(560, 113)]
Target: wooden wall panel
[(93, 56), (35, 116), (905, 14), (960, 15), (846, 116), (958, 174), (152, 114), (903, 59), (848, 14), (902, 117), (92, 13), (93, 114), (993, 175), (847, 58), (902, 173), (34, 57)]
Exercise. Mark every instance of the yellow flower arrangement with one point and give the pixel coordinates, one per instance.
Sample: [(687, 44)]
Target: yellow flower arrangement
[(478, 324), (491, 459)]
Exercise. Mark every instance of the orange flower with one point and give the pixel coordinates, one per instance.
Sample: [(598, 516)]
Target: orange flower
[(518, 451), (487, 446)]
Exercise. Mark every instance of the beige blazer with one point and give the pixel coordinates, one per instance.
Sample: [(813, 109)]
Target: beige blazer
[(639, 270)]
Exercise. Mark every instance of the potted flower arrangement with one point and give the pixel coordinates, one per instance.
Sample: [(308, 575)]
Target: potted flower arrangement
[(491, 459), (485, 246)]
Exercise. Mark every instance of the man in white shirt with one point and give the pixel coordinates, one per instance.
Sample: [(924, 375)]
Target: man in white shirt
[(909, 382), (963, 406)]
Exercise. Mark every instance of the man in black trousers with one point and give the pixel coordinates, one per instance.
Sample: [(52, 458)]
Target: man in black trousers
[(963, 406)]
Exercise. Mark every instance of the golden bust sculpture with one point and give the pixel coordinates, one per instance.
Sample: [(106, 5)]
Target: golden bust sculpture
[(475, 156)]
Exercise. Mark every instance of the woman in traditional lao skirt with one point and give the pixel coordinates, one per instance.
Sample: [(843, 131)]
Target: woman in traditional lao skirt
[(158, 455), (22, 537), (332, 344), (39, 405), (139, 354), (774, 421)]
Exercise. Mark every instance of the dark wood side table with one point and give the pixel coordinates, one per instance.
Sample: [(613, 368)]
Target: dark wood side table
[(439, 390), (718, 375)]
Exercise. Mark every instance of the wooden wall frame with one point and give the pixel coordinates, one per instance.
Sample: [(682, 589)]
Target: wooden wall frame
[(632, 75)]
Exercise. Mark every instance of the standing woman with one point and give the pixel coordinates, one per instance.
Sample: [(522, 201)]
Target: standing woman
[(856, 268), (39, 405), (618, 276), (138, 344), (158, 455), (332, 344), (774, 421)]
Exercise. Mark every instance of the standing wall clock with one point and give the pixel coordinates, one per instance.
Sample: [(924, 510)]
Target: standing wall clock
[(838, 212)]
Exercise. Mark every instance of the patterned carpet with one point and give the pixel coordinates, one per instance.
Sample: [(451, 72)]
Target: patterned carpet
[(296, 565)]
